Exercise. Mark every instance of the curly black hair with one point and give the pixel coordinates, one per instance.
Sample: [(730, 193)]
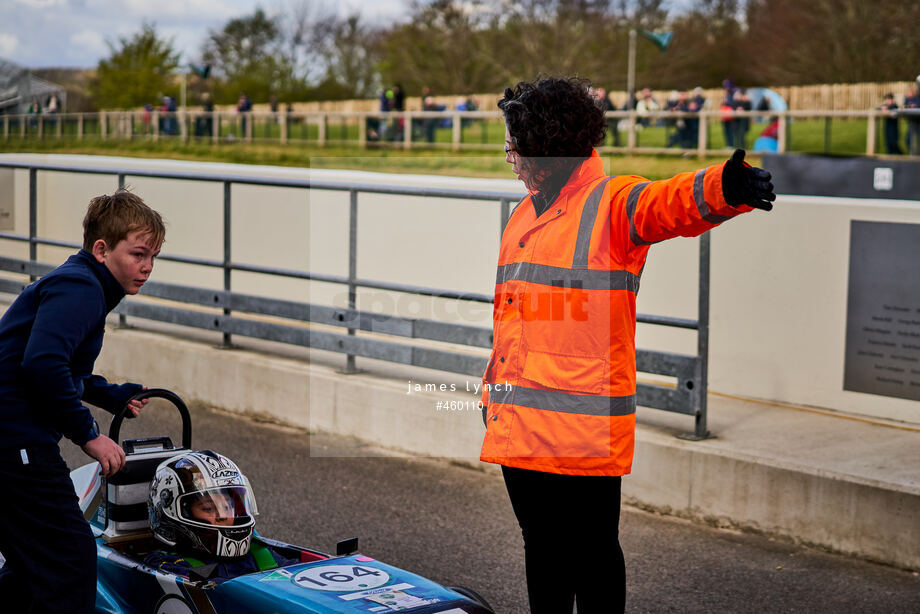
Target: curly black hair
[(554, 124)]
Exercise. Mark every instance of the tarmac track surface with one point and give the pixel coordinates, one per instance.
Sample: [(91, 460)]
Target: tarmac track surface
[(454, 525)]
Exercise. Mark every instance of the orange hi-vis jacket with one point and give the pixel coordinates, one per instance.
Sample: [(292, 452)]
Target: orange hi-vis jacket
[(560, 386)]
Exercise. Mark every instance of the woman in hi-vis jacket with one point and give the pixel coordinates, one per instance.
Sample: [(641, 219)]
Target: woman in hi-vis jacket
[(560, 394)]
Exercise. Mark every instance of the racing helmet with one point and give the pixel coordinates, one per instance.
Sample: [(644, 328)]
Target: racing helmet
[(201, 500)]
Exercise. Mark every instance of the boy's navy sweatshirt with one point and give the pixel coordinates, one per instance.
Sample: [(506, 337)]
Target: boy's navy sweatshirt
[(49, 339)]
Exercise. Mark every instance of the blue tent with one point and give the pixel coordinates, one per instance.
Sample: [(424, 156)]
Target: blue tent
[(758, 94)]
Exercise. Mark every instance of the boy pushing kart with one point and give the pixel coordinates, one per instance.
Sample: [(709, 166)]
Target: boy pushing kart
[(50, 338)]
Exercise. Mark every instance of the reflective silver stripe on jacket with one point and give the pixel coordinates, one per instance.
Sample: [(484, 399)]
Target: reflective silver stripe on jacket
[(631, 201), (701, 205), (567, 278), (586, 226), (565, 402)]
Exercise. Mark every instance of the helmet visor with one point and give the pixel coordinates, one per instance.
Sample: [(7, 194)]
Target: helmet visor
[(220, 507)]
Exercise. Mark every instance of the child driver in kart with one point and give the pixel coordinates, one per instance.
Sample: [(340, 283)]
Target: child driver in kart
[(202, 506)]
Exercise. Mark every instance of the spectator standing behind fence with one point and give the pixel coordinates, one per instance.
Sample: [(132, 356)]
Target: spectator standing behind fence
[(646, 105), (890, 125), (467, 103), (741, 123), (430, 124), (695, 105), (167, 109), (684, 131), (559, 391), (52, 109), (912, 102), (727, 109), (243, 108), (204, 123), (385, 104), (606, 104), (34, 111), (398, 105)]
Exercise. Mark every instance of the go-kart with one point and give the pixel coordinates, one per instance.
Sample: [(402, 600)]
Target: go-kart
[(320, 584)]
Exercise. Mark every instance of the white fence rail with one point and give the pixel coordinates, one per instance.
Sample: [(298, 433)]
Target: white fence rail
[(828, 131)]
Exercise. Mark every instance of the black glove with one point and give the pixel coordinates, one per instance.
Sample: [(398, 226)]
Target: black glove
[(743, 184)]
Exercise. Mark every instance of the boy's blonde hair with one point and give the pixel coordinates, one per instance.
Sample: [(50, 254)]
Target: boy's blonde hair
[(111, 218)]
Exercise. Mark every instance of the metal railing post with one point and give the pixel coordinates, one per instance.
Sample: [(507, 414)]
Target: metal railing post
[(323, 124), (362, 131), (155, 120), (352, 270), (33, 218), (227, 254), (80, 127), (215, 126), (103, 125), (701, 431), (6, 128), (505, 214)]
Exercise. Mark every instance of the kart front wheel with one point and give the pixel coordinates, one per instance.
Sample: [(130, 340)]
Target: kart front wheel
[(173, 604), (472, 596)]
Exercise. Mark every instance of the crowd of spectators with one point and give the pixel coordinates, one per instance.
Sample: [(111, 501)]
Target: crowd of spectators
[(392, 99), (683, 129)]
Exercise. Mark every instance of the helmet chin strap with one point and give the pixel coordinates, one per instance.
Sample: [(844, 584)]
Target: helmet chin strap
[(227, 547)]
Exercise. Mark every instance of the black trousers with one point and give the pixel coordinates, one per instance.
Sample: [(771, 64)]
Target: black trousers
[(49, 547), (570, 525)]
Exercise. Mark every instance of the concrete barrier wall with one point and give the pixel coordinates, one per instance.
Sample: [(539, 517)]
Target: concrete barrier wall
[(779, 280)]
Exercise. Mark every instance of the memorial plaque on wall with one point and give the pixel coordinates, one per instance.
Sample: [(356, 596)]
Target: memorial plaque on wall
[(883, 310)]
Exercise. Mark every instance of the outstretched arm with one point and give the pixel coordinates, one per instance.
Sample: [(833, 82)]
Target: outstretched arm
[(691, 203)]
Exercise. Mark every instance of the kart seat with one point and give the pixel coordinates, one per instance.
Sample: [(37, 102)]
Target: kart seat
[(126, 491)]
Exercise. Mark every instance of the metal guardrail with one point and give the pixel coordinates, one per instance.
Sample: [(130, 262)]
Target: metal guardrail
[(306, 324)]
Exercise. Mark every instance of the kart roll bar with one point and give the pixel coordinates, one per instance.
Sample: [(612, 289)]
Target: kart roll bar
[(156, 393)]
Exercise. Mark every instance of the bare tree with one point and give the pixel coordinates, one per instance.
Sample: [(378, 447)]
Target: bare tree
[(351, 54), (303, 26)]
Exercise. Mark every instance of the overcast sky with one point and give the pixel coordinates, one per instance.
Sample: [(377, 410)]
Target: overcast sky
[(73, 33)]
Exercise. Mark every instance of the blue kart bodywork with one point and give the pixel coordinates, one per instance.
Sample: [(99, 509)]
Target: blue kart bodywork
[(352, 584), (320, 584)]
